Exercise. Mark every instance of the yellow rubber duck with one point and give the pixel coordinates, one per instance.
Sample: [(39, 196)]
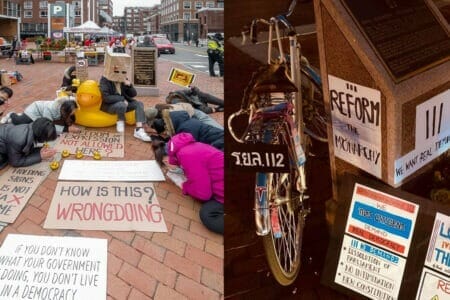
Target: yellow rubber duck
[(89, 99)]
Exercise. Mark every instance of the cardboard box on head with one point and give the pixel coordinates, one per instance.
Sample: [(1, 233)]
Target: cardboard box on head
[(117, 66)]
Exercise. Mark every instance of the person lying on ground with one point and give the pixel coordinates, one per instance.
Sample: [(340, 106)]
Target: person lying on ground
[(5, 94), (203, 167), (61, 111), (173, 122), (152, 112), (197, 99), (17, 143)]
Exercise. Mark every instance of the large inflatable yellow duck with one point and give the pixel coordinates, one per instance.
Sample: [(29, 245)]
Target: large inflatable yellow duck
[(89, 99)]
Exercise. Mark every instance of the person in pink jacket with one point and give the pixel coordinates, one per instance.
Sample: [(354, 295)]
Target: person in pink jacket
[(203, 166)]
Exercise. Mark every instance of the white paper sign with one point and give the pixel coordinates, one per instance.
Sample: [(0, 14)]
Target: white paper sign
[(48, 267), (438, 255), (382, 219), (432, 136), (91, 170), (369, 270), (356, 115), (433, 286)]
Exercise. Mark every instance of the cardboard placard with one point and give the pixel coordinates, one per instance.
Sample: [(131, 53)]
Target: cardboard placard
[(105, 206), (181, 77), (17, 185), (48, 267), (109, 144), (131, 170)]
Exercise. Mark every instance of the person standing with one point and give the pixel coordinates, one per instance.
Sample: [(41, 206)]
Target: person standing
[(215, 54), (15, 47)]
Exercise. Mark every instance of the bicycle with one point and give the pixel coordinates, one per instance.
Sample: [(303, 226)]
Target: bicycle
[(277, 126)]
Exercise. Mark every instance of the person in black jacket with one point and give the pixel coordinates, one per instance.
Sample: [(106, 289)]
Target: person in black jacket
[(173, 122), (118, 98), (198, 99), (69, 76), (17, 143)]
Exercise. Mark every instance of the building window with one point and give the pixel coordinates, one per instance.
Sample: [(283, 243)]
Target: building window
[(43, 4), (198, 4), (43, 14), (28, 14), (186, 4), (220, 5), (76, 3), (210, 4), (77, 12), (28, 5), (186, 16)]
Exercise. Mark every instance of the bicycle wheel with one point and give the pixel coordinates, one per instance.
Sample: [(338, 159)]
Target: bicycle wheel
[(314, 114), (282, 244)]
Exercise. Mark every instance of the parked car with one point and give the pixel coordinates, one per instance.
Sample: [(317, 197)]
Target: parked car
[(5, 46), (164, 45)]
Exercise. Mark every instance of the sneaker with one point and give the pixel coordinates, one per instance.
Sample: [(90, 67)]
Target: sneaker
[(120, 126), (6, 119), (142, 135)]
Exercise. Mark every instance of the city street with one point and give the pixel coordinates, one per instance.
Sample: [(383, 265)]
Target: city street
[(184, 263), (192, 57)]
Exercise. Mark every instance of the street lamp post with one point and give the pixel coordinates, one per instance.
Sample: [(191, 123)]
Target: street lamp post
[(188, 29)]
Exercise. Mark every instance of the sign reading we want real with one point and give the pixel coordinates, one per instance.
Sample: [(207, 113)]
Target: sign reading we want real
[(356, 115)]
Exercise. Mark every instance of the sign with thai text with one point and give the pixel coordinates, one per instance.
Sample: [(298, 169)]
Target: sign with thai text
[(382, 219), (369, 270), (49, 267), (181, 77), (432, 136), (17, 185), (118, 206), (356, 115), (109, 144)]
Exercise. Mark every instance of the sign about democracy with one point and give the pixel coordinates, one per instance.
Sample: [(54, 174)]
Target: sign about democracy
[(369, 270), (382, 219), (17, 185), (432, 136), (48, 267), (356, 115), (438, 254), (107, 170), (109, 144), (120, 206)]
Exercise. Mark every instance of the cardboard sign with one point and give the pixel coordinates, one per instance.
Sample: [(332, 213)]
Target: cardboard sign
[(356, 115), (105, 206), (433, 286), (382, 219), (369, 270), (438, 255), (17, 185), (181, 77), (47, 267), (105, 170), (432, 136), (109, 144)]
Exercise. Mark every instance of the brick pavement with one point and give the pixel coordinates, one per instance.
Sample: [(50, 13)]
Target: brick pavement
[(184, 263)]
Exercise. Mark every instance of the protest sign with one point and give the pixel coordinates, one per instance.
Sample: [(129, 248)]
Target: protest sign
[(356, 115), (117, 206), (181, 77), (131, 170), (109, 144), (48, 267), (438, 254), (17, 185)]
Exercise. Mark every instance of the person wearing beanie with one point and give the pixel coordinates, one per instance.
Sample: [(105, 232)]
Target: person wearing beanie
[(18, 143)]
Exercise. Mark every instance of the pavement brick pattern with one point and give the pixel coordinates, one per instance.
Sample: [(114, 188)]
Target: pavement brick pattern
[(184, 263)]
